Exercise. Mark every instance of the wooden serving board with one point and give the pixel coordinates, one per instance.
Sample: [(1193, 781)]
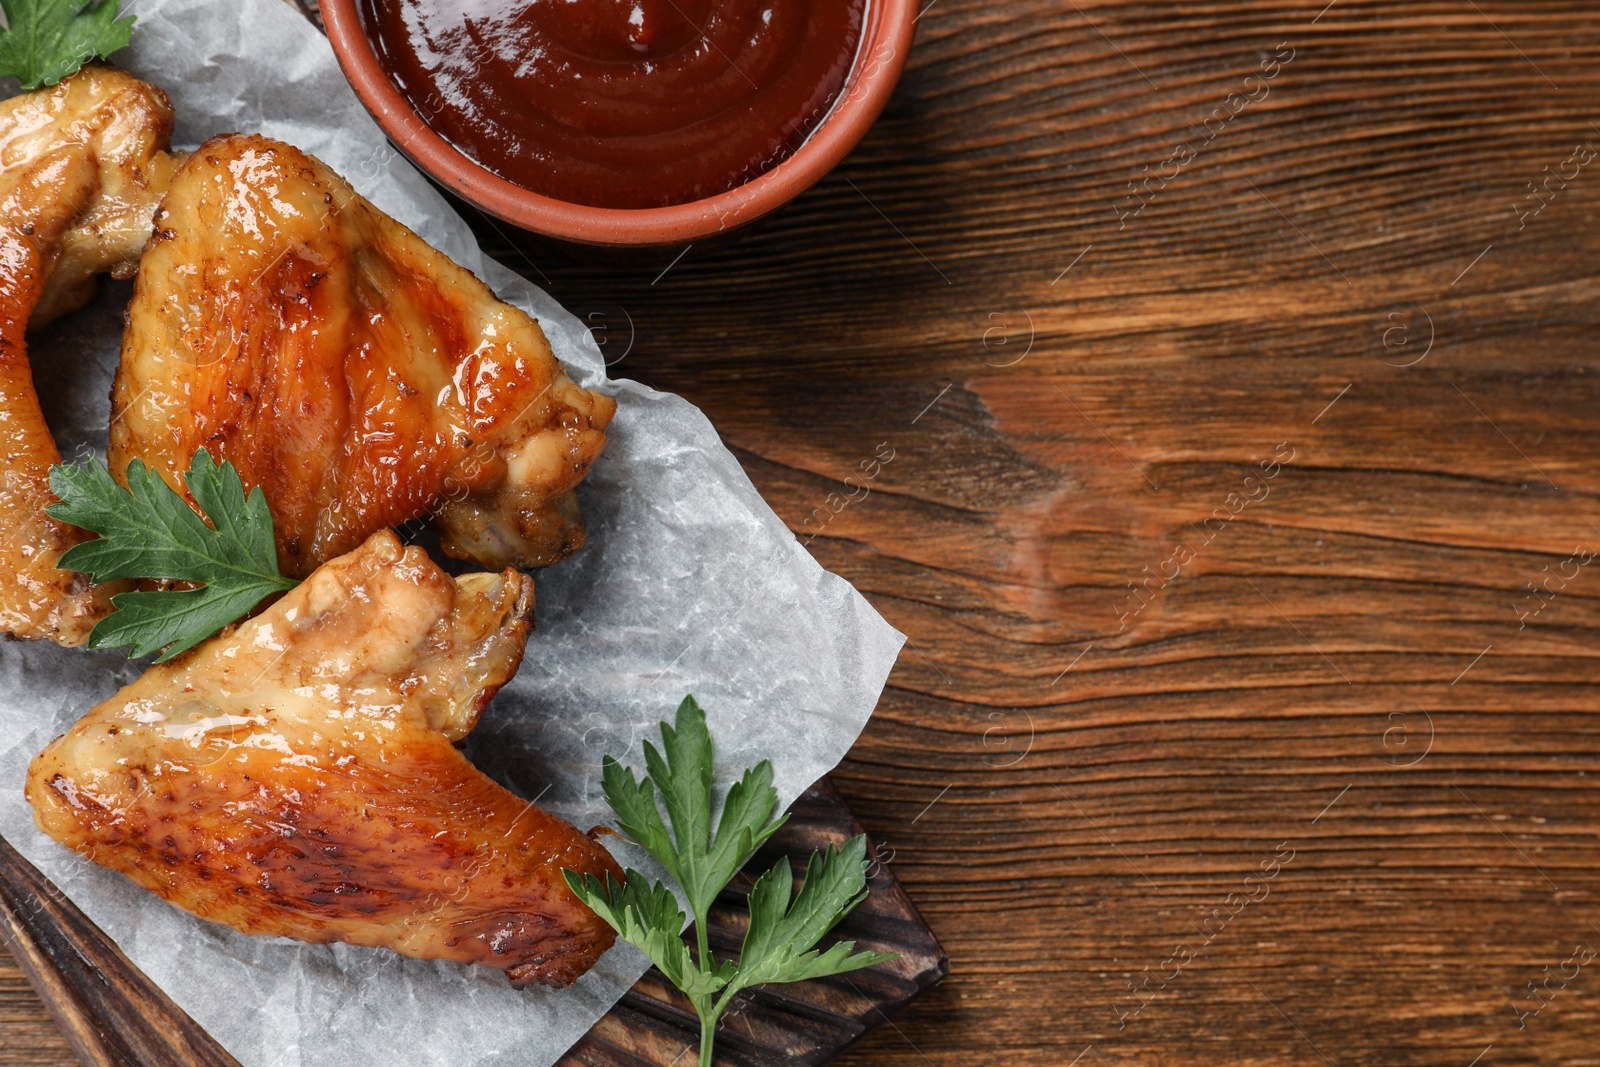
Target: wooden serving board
[(114, 1016)]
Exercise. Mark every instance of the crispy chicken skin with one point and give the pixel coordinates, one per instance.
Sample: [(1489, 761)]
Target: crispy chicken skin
[(296, 776), (357, 375), (82, 166)]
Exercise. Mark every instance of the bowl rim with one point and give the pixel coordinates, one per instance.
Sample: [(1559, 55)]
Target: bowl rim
[(886, 43)]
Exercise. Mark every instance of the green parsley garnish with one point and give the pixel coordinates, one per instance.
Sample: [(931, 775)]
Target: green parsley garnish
[(779, 945), (149, 531), (46, 40)]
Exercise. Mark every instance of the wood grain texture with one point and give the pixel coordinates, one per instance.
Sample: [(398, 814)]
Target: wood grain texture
[(109, 1012), (1086, 827), (1341, 669)]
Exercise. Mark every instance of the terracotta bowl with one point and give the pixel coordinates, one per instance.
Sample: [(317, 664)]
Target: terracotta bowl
[(885, 45)]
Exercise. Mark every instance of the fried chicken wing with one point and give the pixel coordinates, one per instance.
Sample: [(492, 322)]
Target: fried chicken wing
[(357, 375), (82, 167), (296, 776)]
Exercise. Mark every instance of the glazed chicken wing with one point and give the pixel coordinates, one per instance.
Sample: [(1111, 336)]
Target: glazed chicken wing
[(357, 375), (82, 166), (296, 776)]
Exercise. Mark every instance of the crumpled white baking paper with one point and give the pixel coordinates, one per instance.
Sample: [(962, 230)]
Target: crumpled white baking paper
[(689, 583)]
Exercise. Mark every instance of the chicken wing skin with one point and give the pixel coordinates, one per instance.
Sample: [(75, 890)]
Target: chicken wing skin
[(82, 166), (296, 776), (357, 375)]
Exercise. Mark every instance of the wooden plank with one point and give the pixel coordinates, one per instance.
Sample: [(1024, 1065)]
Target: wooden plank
[(1085, 823), (109, 1012)]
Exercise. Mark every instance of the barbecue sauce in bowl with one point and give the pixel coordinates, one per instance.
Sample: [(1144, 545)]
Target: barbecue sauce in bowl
[(620, 103)]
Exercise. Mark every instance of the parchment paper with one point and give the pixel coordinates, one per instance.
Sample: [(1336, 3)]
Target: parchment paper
[(689, 583)]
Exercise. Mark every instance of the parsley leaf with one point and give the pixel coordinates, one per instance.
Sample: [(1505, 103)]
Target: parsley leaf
[(780, 943), (46, 40), (778, 946), (148, 531), (647, 916), (700, 863)]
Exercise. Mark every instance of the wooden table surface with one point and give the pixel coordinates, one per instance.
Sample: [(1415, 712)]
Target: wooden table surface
[(1238, 366)]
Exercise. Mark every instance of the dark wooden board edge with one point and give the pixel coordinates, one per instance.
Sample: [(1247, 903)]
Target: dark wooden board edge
[(113, 1016), (110, 1013), (806, 1024)]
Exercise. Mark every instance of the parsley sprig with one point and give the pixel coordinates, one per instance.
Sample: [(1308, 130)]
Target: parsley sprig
[(46, 40), (149, 531), (780, 942)]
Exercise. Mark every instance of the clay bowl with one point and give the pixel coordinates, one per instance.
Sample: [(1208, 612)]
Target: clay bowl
[(886, 42)]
